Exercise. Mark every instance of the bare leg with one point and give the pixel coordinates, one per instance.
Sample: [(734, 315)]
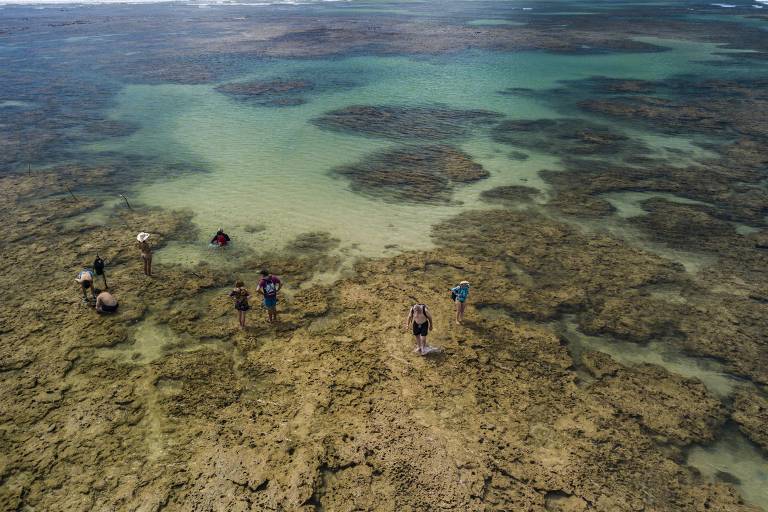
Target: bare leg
[(458, 312), (418, 344), (149, 266)]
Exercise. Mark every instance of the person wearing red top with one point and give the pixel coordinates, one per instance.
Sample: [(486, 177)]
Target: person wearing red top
[(269, 285)]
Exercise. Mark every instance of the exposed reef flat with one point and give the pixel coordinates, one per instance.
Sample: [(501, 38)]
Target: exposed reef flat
[(306, 414)]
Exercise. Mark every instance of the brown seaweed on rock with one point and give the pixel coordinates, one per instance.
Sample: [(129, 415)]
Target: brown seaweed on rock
[(413, 173)]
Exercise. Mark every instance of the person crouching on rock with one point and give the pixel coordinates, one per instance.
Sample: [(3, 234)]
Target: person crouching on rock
[(240, 294), (85, 280), (269, 286), (106, 303), (459, 295), (420, 320)]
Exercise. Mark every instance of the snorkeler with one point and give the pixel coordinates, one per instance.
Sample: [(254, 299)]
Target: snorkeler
[(106, 303), (240, 295), (421, 321), (85, 279), (459, 295), (98, 268), (220, 239), (146, 252), (269, 286)]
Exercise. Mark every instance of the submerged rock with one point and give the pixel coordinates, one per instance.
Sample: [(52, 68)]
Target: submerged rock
[(510, 194), (566, 137), (403, 123), (413, 173)]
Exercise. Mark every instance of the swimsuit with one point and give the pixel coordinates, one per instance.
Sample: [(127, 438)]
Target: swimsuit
[(108, 309), (421, 329)]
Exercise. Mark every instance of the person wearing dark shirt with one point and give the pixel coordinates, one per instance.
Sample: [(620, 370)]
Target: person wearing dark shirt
[(220, 238), (98, 269)]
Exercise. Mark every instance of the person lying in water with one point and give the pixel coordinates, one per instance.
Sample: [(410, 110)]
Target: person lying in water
[(220, 239), (106, 303), (420, 320)]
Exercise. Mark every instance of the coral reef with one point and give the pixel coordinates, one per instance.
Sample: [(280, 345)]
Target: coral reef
[(405, 123), (413, 173)]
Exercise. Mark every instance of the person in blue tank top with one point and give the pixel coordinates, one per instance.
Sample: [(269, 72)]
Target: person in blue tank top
[(459, 294)]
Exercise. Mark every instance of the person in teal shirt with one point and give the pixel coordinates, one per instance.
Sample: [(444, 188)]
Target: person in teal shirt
[(459, 294)]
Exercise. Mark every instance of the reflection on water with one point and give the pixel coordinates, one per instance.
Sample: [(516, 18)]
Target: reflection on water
[(735, 460)]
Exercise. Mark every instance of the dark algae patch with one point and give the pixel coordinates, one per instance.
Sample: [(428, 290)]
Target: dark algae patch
[(406, 123), (419, 174)]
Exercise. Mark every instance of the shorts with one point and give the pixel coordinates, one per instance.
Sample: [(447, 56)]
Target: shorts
[(242, 306), (108, 309), (421, 329), (270, 302)]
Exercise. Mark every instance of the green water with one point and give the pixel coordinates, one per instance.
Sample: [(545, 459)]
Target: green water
[(270, 166)]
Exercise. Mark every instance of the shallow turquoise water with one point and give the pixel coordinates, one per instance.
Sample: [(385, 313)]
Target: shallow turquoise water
[(271, 166)]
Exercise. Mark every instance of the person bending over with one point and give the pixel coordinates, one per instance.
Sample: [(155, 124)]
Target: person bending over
[(85, 279), (106, 303)]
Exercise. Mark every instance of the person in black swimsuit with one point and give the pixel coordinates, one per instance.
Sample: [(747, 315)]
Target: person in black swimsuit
[(420, 320)]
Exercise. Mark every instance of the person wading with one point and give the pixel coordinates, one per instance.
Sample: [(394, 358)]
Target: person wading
[(146, 252), (240, 294), (459, 295), (269, 286), (420, 320)]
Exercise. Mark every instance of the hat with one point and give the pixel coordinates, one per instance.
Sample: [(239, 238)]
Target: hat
[(141, 237), (464, 282)]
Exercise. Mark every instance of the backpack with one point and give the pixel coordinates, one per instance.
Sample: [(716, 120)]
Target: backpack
[(98, 265), (270, 288)]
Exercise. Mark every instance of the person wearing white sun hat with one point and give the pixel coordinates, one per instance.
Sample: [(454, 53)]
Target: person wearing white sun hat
[(459, 295), (146, 252)]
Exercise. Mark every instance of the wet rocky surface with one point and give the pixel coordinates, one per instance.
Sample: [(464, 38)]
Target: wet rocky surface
[(750, 412), (418, 174), (331, 402), (509, 194)]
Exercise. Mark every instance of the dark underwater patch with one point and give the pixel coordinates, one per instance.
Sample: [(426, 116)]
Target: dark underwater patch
[(431, 123), (417, 174)]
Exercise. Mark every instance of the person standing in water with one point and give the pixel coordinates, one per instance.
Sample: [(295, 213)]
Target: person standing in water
[(240, 294), (420, 320), (85, 279), (269, 286), (459, 295), (146, 252), (98, 268), (106, 303)]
